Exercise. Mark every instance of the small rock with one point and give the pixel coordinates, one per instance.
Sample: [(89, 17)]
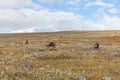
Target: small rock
[(106, 78), (100, 66), (70, 70), (41, 68), (81, 78), (117, 70)]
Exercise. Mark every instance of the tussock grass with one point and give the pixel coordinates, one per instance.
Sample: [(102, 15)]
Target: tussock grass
[(74, 56)]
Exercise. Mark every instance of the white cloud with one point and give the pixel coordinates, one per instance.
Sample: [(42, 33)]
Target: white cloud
[(102, 7), (18, 4), (52, 1), (99, 3), (74, 2), (86, 0), (13, 20), (31, 20), (113, 10), (28, 20), (32, 29), (62, 2), (48, 1), (116, 1), (111, 22)]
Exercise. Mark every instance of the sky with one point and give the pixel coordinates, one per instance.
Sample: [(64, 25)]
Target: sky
[(18, 16)]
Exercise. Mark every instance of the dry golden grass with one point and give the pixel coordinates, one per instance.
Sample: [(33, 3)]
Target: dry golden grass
[(73, 56)]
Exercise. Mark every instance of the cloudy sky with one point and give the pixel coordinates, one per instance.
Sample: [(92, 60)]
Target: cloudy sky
[(58, 15)]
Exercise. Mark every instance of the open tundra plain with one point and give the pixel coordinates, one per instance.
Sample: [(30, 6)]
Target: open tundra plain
[(73, 58)]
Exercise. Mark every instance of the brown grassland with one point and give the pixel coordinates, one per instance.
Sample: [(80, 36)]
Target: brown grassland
[(74, 56)]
